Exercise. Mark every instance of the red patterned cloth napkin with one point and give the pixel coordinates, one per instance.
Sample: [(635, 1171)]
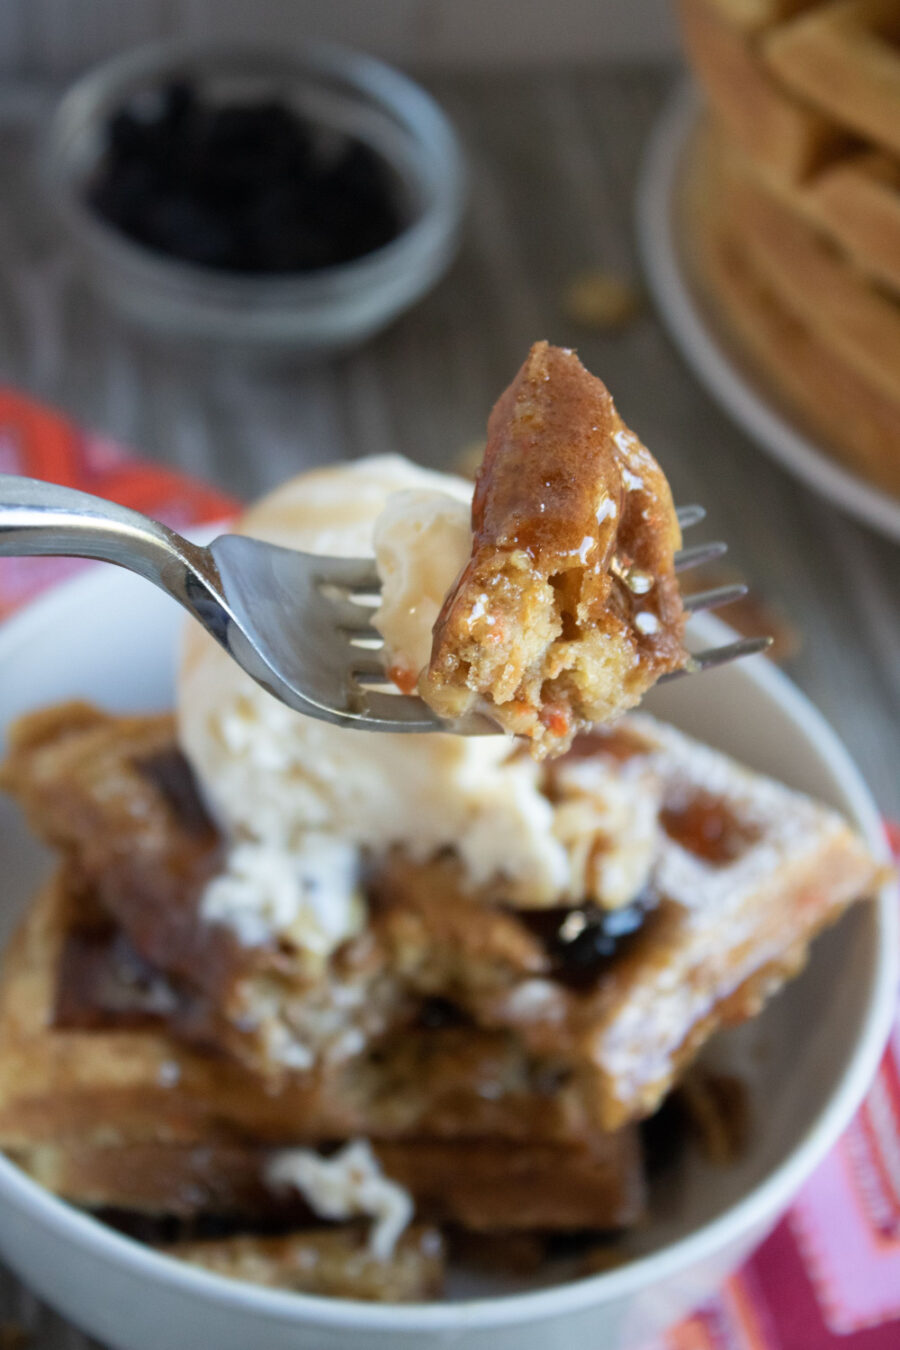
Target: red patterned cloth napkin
[(40, 444), (828, 1278)]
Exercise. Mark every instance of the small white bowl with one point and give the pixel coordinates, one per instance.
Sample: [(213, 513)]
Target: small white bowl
[(109, 637), (305, 314)]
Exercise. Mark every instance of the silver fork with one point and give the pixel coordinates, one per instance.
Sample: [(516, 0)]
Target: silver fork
[(299, 624)]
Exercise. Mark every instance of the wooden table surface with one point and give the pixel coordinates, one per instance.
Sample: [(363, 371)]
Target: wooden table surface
[(554, 158)]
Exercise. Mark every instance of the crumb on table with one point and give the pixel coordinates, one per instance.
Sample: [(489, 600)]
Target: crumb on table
[(601, 300)]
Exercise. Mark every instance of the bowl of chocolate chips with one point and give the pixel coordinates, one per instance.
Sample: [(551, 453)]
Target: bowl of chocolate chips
[(295, 199)]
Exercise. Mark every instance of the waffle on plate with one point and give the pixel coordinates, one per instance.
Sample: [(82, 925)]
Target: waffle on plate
[(795, 210)]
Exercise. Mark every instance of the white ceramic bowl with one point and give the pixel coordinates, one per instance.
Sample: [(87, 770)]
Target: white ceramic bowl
[(110, 637)]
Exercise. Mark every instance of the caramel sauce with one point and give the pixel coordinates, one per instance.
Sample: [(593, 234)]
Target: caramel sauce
[(717, 1109), (550, 444), (103, 982), (704, 826), (556, 483)]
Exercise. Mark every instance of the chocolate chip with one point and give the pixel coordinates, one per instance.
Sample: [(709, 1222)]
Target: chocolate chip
[(581, 941), (437, 1013)]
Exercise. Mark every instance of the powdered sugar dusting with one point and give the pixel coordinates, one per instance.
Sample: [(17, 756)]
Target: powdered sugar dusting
[(787, 823)]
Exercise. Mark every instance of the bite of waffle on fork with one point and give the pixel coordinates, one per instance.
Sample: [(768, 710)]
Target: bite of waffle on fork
[(568, 609), (804, 97), (497, 1058)]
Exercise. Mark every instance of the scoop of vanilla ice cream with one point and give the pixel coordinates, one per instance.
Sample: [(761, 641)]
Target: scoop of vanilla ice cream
[(299, 798), (422, 542), (272, 776)]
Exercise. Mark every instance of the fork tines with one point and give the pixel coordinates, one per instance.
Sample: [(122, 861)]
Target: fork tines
[(717, 596), (353, 585)]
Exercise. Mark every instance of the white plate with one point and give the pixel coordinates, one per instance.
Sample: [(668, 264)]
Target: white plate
[(110, 637), (730, 379)]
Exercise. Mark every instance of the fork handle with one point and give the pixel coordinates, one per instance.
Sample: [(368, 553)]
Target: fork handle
[(39, 518)]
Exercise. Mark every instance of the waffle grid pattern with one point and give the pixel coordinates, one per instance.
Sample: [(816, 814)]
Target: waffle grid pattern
[(797, 200)]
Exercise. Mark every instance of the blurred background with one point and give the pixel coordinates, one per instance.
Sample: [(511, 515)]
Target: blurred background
[(63, 36)]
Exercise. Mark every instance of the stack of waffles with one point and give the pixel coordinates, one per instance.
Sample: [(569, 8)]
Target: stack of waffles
[(478, 1070), (795, 206)]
